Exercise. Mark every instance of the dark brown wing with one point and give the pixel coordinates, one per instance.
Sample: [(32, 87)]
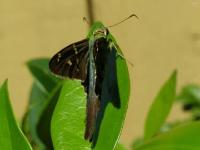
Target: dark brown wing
[(101, 56), (71, 61)]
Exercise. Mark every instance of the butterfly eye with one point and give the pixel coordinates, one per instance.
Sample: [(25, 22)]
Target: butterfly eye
[(106, 32)]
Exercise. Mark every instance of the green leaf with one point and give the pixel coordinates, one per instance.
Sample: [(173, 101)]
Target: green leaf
[(11, 137), (190, 98), (137, 142), (190, 94), (114, 99), (161, 107), (67, 125), (40, 70), (184, 137), (114, 108), (35, 109), (44, 124), (120, 147), (36, 122)]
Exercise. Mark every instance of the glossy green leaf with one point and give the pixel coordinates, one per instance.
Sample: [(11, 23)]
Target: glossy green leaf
[(44, 124), (37, 103), (68, 122), (11, 137), (120, 147), (40, 103), (40, 70), (114, 101), (161, 107), (183, 137)]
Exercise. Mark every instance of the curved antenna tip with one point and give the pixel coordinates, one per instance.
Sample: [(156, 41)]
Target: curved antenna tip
[(85, 20), (133, 15)]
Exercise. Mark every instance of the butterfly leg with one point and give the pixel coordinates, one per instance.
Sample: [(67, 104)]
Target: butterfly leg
[(112, 46)]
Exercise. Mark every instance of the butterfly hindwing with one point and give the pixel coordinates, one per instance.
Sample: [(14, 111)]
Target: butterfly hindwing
[(71, 61)]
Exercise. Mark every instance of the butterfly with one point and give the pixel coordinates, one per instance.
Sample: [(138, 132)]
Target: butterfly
[(86, 60)]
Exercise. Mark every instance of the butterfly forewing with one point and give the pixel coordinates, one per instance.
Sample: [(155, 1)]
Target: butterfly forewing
[(71, 61)]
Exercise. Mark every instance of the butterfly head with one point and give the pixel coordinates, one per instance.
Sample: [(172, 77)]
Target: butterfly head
[(100, 32)]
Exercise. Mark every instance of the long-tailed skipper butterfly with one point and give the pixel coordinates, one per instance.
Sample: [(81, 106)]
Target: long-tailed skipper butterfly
[(85, 60)]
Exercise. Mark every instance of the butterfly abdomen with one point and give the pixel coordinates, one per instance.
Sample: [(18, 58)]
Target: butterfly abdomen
[(91, 117)]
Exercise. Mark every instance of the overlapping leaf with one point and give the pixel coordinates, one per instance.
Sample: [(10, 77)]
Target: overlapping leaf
[(160, 108), (11, 137)]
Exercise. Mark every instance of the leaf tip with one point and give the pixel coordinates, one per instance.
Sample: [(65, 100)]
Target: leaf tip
[(5, 83), (175, 72)]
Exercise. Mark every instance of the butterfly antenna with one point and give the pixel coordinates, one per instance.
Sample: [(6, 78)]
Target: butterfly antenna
[(85, 20), (132, 65), (132, 15)]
